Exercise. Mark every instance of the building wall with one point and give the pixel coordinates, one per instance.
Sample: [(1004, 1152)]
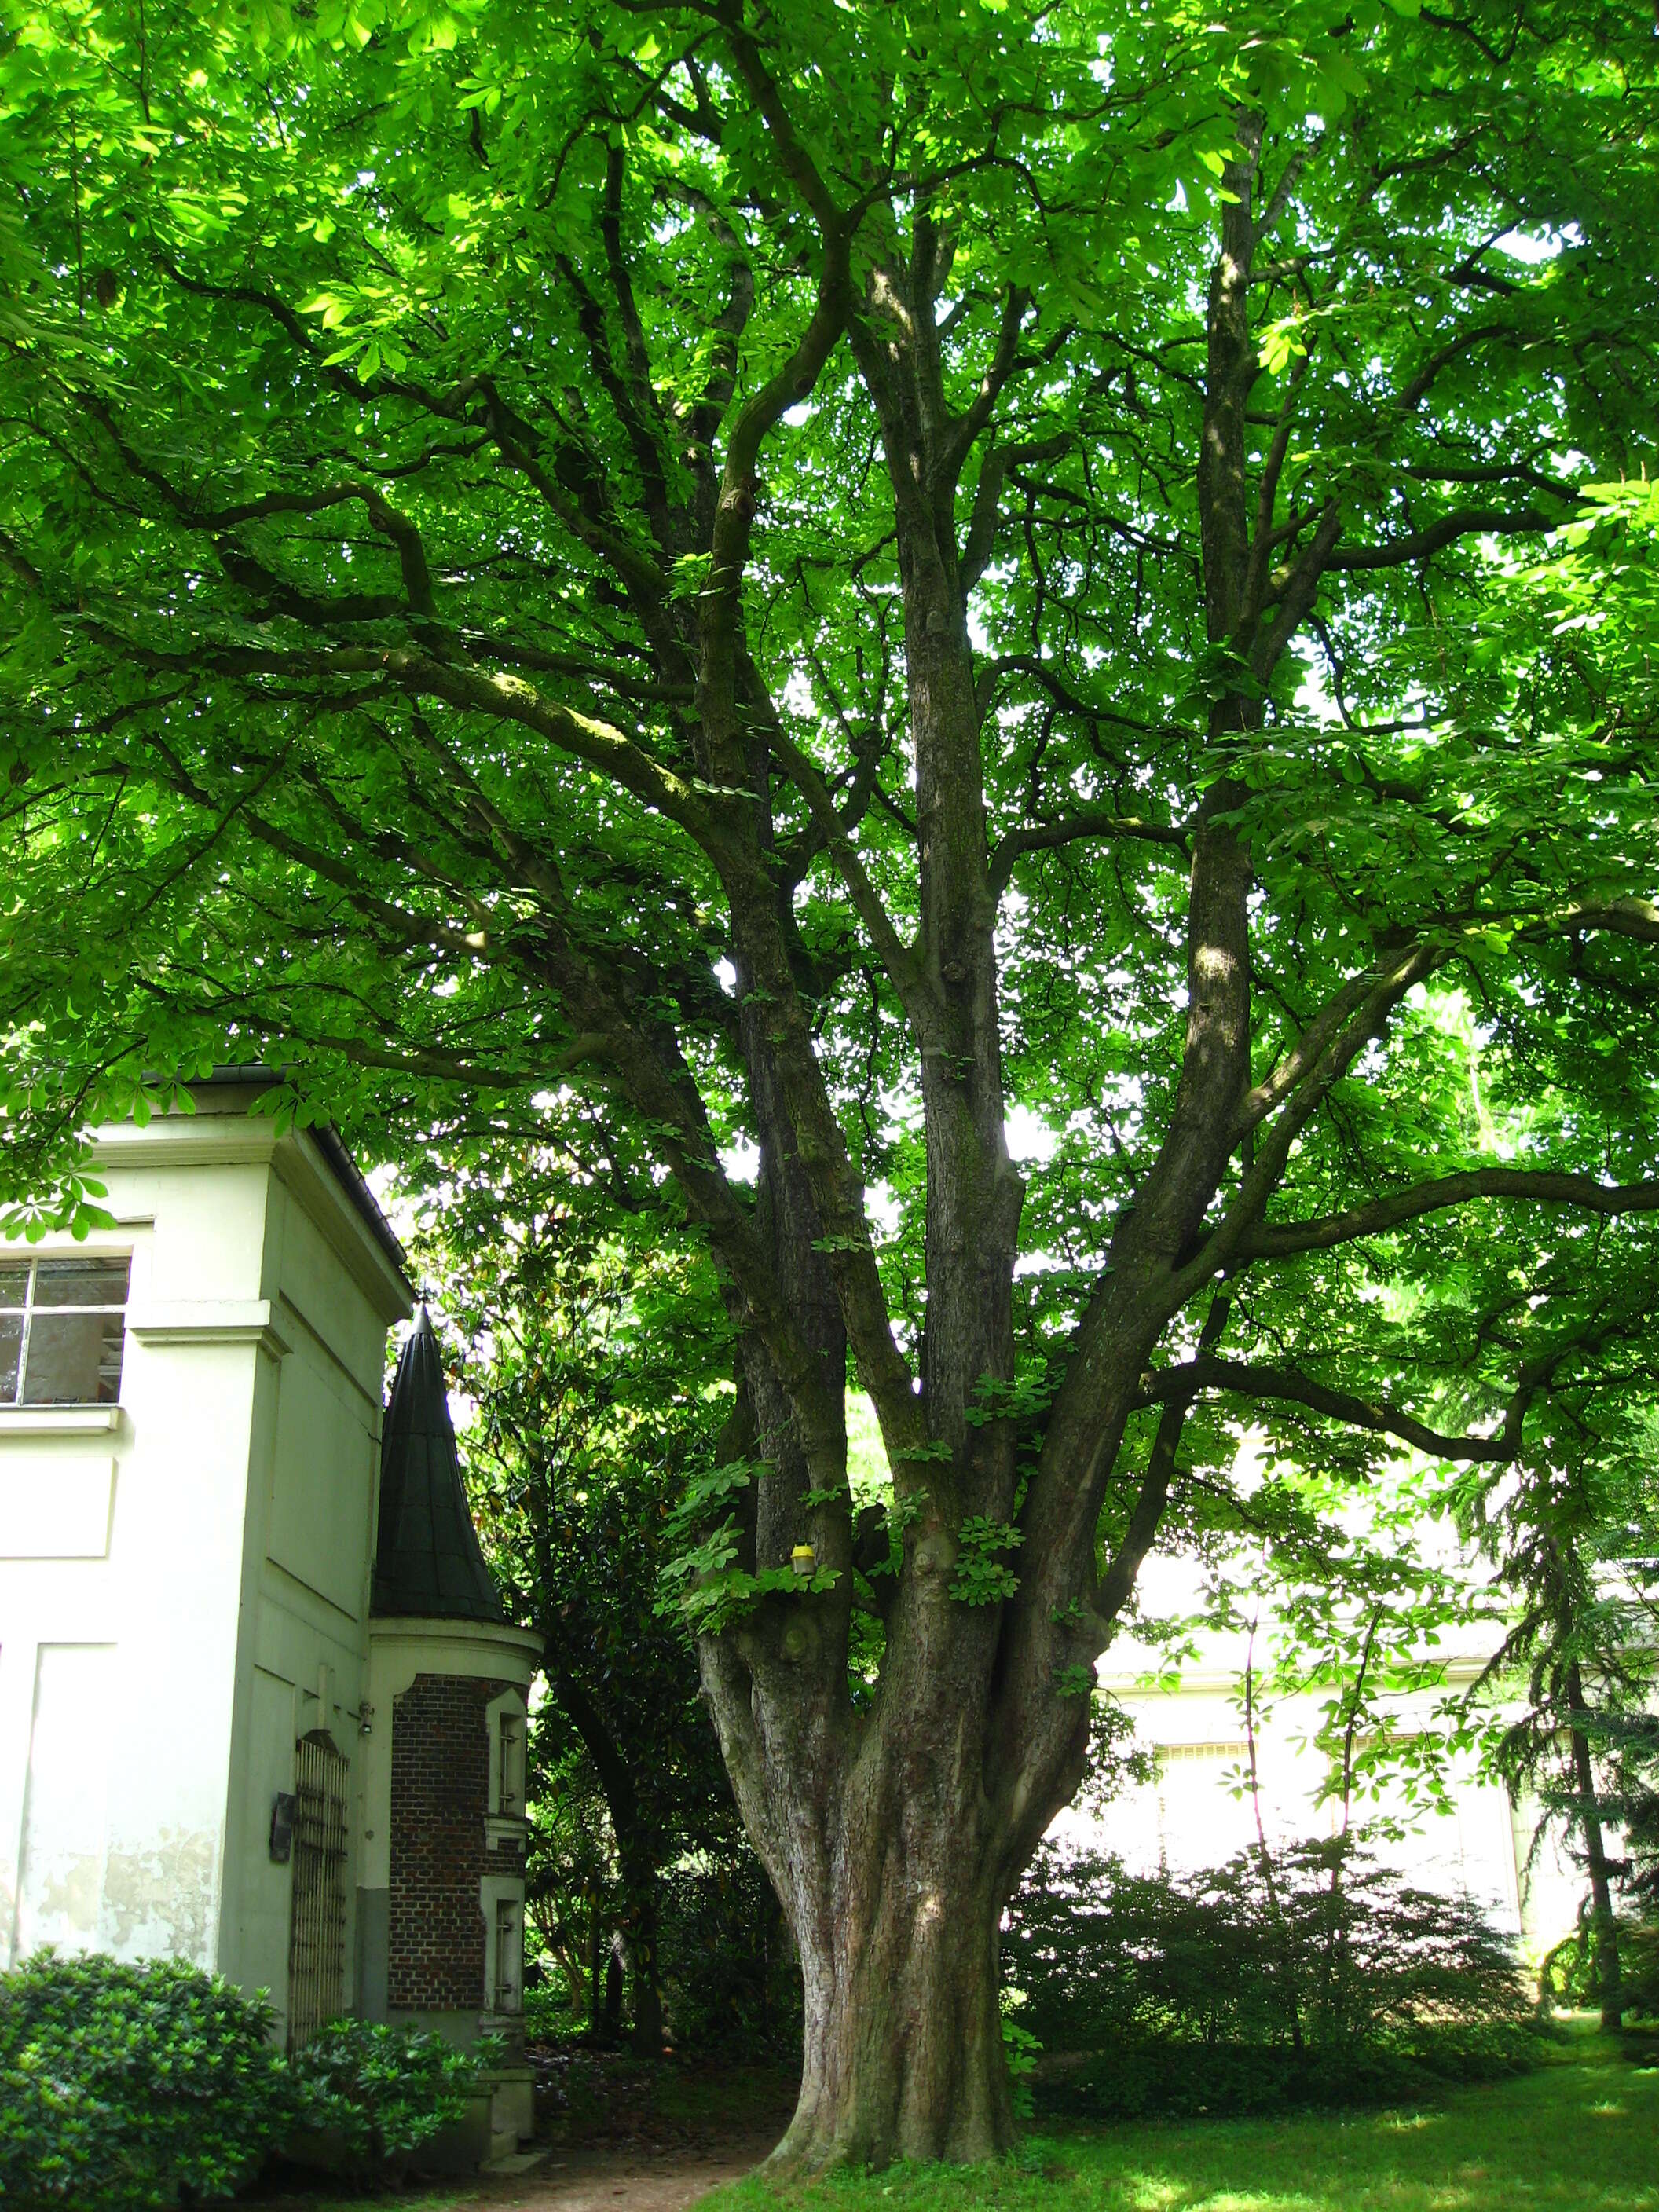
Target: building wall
[(436, 1844), (120, 1538), (1196, 1811), (313, 1468), (184, 1576)]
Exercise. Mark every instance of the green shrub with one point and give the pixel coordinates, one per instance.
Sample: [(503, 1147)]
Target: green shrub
[(384, 2091), (730, 1978), (1182, 2079), (1314, 1976), (548, 2014), (1638, 1959), (121, 2085), (1021, 2050), (124, 2088), (1569, 1977)]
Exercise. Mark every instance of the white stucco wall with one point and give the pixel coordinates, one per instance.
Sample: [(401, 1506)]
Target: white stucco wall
[(184, 1578)]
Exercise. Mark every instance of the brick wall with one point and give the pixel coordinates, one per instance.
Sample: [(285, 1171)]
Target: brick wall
[(439, 1796)]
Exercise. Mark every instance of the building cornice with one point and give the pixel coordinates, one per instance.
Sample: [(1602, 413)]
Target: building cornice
[(57, 1420), (312, 1167), (481, 1649), (210, 1321)]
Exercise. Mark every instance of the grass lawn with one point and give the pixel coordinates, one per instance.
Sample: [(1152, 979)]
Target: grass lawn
[(1582, 2134)]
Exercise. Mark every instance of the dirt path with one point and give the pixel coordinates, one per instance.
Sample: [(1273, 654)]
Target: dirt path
[(627, 2180)]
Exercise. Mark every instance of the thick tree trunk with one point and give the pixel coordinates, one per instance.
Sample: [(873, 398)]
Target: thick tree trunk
[(903, 2055)]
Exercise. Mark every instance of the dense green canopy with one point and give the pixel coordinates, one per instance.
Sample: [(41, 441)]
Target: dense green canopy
[(378, 360)]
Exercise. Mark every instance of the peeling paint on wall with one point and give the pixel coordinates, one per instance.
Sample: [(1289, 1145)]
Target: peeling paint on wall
[(161, 1902)]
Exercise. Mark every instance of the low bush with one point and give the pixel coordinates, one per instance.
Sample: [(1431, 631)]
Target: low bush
[(129, 2088), (1173, 2078), (122, 2087), (384, 2092), (1312, 1975), (548, 2014), (1639, 1961)]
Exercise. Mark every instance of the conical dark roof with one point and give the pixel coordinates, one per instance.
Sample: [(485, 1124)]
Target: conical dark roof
[(427, 1558)]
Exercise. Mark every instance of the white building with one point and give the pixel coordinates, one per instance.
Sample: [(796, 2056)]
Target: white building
[(1198, 1810), (228, 1731)]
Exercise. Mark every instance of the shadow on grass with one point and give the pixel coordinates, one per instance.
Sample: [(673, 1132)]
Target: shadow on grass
[(1580, 2135)]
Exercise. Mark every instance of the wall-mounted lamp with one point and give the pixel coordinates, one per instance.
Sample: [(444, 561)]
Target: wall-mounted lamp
[(364, 1718)]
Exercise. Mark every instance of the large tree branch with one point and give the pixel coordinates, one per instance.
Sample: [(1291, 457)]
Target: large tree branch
[(1089, 822), (902, 968), (518, 447), (837, 1189), (1420, 544), (1618, 917), (627, 382), (719, 606), (988, 493), (1289, 1386), (801, 169), (1632, 917), (1297, 594), (958, 441), (1117, 1583), (1533, 1186), (1412, 394), (1369, 1007), (501, 697)]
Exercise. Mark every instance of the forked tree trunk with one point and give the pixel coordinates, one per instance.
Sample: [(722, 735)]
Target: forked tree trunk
[(893, 1852), (895, 1832)]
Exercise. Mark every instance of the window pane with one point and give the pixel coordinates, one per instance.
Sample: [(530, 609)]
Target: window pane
[(11, 1344), (74, 1359), (81, 1282), (14, 1282)]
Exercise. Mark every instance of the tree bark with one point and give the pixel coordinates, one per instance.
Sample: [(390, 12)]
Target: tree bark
[(894, 1883), (903, 2054), (1604, 1926), (644, 1973)]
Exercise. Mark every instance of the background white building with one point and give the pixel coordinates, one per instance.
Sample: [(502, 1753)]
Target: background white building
[(1198, 1811)]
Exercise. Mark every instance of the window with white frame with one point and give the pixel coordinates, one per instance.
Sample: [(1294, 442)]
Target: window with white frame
[(63, 1329)]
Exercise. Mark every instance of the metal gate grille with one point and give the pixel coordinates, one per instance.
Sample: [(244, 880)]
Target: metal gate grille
[(317, 1945)]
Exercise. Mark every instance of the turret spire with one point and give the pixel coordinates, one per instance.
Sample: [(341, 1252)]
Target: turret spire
[(427, 1560)]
